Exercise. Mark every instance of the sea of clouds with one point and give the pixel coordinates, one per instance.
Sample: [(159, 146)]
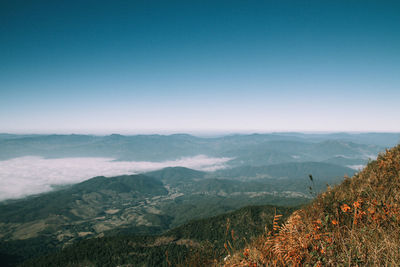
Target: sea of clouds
[(25, 176)]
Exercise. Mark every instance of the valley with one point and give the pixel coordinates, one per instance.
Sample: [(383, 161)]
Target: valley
[(150, 203), (263, 170)]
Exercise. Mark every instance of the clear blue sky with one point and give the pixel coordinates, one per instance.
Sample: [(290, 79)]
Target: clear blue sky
[(187, 66)]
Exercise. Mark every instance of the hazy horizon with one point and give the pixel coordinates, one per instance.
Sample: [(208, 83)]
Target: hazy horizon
[(34, 165), (195, 133)]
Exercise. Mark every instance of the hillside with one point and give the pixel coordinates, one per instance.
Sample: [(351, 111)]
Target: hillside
[(176, 175), (84, 200), (196, 243), (39, 224), (290, 170), (130, 204), (354, 223), (289, 176)]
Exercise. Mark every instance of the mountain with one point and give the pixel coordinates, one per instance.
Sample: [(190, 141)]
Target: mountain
[(354, 223), (135, 184), (176, 175), (293, 176), (290, 170), (380, 139), (45, 222), (282, 151), (84, 200)]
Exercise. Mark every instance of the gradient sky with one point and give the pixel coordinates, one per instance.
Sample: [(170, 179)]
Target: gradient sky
[(192, 66)]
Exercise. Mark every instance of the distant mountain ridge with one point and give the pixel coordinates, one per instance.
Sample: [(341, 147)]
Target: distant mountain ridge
[(254, 149)]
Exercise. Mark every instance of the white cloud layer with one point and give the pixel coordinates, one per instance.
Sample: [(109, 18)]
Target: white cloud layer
[(25, 176), (356, 167)]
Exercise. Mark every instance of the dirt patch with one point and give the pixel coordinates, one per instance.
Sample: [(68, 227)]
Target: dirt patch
[(188, 243), (29, 230), (112, 211), (163, 240), (82, 234)]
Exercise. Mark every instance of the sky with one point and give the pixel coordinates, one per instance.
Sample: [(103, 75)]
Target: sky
[(199, 66)]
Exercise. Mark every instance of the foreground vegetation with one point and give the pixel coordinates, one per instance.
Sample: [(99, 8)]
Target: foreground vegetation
[(354, 223)]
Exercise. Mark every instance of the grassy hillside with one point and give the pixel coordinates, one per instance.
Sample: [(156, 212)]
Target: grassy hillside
[(354, 223)]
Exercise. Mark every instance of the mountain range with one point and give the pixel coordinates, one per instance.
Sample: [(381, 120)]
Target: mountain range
[(255, 149), (171, 209)]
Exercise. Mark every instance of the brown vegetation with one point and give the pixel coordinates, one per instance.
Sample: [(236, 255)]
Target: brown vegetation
[(354, 223)]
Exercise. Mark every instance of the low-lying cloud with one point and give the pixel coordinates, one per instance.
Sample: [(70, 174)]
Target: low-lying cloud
[(356, 167), (25, 176)]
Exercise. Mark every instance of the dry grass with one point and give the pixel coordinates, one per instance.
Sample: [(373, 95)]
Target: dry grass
[(357, 223)]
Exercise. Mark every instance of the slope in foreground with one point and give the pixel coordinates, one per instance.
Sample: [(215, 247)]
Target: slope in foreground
[(354, 223)]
